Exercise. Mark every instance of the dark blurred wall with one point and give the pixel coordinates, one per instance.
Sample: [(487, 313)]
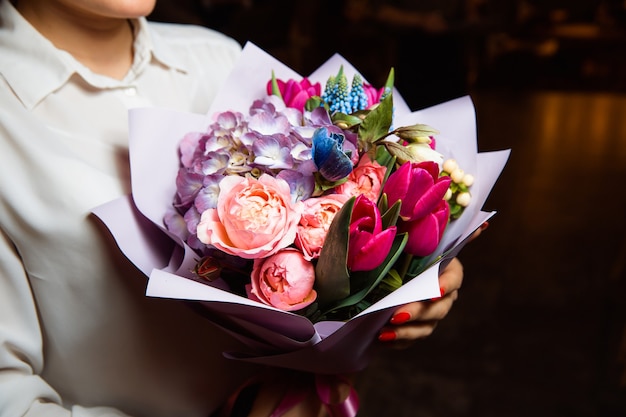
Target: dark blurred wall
[(440, 49)]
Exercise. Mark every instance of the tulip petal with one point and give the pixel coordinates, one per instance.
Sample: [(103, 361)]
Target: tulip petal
[(426, 232), (421, 203), (299, 100), (368, 251), (397, 184)]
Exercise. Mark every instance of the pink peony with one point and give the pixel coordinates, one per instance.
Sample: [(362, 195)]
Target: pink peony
[(366, 178), (253, 219), (318, 214), (295, 94), (369, 244), (284, 280)]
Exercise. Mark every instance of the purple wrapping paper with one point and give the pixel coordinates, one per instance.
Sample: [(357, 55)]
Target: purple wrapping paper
[(271, 336)]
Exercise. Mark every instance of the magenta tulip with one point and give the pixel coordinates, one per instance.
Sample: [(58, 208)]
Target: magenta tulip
[(369, 244), (373, 94), (426, 233), (418, 186), (296, 93)]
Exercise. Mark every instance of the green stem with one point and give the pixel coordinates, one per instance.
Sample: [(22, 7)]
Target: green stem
[(406, 263), (386, 135)]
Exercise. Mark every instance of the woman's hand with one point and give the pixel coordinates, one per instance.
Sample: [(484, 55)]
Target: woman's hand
[(418, 320)]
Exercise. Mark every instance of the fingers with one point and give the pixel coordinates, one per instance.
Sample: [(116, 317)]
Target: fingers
[(451, 277), (478, 231), (405, 336), (418, 320)]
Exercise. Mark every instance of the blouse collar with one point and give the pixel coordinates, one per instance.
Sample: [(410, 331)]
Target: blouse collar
[(34, 68)]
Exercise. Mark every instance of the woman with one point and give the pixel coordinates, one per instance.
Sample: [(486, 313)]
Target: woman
[(77, 335)]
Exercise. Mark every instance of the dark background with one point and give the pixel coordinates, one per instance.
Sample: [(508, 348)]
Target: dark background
[(540, 325)]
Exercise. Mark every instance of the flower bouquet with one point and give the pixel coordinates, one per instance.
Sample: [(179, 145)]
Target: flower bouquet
[(301, 211)]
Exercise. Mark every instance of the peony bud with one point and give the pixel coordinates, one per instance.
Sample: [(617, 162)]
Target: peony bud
[(284, 280), (208, 268)]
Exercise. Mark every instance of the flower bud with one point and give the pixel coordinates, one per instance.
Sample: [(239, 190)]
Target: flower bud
[(448, 195), (457, 175), (283, 280), (463, 199), (418, 133), (468, 180), (450, 165), (208, 268), (418, 152)]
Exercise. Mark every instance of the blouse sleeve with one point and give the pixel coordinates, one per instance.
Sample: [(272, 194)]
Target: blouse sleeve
[(23, 392)]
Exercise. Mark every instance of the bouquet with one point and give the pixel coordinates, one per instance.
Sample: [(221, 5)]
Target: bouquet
[(301, 211), (310, 201)]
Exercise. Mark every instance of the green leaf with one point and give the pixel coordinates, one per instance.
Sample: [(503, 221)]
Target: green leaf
[(400, 152), (363, 282), (332, 280), (390, 79), (348, 120), (275, 89), (384, 158), (418, 265), (391, 282), (322, 184), (377, 123), (314, 102), (390, 216), (383, 203)]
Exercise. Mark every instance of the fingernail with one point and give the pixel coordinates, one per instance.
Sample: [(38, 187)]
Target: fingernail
[(442, 291), (400, 318), (387, 336), (484, 226)]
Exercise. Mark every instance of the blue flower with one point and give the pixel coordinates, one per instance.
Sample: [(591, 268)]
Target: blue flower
[(331, 161)]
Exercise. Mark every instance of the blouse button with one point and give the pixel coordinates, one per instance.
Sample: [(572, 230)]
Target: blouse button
[(130, 91)]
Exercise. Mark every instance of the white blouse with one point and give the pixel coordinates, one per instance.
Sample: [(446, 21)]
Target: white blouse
[(78, 337)]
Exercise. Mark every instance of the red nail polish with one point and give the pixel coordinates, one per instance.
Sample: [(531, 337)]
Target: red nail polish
[(387, 336), (484, 226), (442, 291), (400, 318)]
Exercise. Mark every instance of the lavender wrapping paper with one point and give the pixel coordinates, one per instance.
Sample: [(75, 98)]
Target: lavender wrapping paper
[(271, 336)]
